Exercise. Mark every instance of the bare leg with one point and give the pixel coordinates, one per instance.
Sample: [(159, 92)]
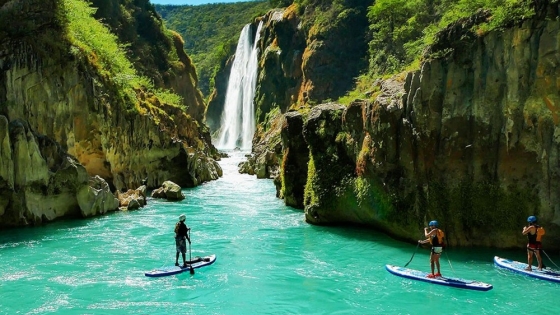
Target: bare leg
[(539, 258), (529, 259), (432, 262), (177, 258)]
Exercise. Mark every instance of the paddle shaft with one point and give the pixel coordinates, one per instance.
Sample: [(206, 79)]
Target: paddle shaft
[(550, 259), (417, 245), (190, 255)]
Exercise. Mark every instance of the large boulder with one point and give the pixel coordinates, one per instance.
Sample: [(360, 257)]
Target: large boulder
[(169, 190), (132, 199), (96, 198)]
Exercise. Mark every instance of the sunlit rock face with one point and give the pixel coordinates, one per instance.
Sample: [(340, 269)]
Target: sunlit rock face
[(122, 148), (40, 182), (132, 199), (302, 63), (96, 198)]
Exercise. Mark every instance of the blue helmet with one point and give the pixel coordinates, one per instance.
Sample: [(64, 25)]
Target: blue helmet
[(433, 223), (532, 219)]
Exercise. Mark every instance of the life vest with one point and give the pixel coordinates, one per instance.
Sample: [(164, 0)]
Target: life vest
[(540, 233), (437, 239), (536, 238)]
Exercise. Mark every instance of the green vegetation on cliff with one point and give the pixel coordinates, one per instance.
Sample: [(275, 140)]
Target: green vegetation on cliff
[(403, 29), (210, 32), (404, 33), (93, 40)]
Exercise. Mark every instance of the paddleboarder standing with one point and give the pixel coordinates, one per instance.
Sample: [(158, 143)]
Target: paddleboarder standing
[(534, 234), (435, 237), (181, 236)]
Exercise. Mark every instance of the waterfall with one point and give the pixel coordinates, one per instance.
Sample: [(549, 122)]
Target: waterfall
[(238, 117)]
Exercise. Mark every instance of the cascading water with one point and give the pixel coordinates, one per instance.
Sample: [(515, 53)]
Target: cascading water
[(238, 117)]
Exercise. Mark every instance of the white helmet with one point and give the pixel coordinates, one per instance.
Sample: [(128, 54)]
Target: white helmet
[(182, 217)]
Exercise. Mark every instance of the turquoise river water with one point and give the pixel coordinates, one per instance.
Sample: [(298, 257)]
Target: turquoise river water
[(269, 261)]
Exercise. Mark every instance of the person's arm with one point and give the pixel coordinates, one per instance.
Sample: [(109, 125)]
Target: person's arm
[(527, 229), (430, 233), (187, 235), (426, 234)]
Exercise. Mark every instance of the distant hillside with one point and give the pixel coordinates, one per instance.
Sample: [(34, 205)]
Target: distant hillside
[(210, 31)]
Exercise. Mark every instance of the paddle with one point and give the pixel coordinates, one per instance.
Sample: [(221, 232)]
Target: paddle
[(542, 250), (190, 256), (448, 260), (417, 245)]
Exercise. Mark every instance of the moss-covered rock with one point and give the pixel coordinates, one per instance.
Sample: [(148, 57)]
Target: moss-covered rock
[(470, 140), (294, 161)]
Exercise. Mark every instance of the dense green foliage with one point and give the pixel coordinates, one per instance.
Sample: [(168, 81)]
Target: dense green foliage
[(210, 32), (280, 3), (93, 39), (404, 33), (402, 29), (136, 22)]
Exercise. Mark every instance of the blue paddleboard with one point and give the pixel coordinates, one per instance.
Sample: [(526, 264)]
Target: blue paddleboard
[(451, 282), (173, 270), (519, 267)]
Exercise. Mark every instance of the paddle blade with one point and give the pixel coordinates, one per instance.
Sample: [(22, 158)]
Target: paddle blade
[(192, 270)]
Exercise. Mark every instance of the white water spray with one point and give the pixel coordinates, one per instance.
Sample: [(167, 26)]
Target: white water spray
[(238, 117)]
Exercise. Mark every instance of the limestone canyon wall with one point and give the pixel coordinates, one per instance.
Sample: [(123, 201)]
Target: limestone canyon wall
[(471, 139), (40, 182), (61, 95)]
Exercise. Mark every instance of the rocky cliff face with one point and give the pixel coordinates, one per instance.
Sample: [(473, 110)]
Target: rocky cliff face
[(302, 65), (280, 74), (470, 140), (40, 182), (217, 99), (137, 24), (62, 96)]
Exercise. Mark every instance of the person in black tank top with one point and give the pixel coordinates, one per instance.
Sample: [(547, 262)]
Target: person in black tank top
[(181, 236), (435, 237), (534, 245)]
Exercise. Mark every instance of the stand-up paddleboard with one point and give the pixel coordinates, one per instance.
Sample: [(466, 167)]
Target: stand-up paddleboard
[(173, 270), (519, 267), (451, 282)]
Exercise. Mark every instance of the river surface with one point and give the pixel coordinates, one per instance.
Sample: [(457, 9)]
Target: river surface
[(269, 261)]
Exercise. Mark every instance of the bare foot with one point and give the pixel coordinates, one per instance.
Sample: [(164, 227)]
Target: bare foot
[(528, 268)]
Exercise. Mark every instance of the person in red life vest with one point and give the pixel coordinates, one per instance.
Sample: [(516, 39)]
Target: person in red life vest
[(435, 237), (181, 234), (534, 234)]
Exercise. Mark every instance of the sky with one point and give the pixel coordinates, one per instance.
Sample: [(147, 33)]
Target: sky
[(193, 2)]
